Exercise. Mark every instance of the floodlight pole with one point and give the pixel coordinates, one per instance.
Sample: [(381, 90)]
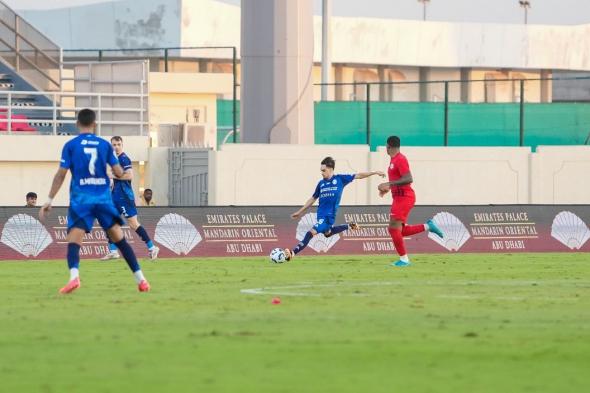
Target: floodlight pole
[(326, 45), (525, 4), (424, 4)]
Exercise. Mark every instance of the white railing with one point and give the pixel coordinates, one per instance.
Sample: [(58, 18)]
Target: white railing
[(59, 106)]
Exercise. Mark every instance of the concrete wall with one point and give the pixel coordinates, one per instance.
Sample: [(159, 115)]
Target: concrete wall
[(288, 174), (559, 174), (28, 163)]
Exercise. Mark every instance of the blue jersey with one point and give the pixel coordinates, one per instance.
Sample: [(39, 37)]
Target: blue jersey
[(330, 192), (122, 188), (87, 156)]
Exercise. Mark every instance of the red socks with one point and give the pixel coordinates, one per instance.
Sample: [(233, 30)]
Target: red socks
[(398, 240), (409, 230)]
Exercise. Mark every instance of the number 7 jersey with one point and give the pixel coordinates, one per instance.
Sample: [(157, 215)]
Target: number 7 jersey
[(87, 156)]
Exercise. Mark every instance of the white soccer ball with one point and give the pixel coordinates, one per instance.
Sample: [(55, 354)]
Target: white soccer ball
[(277, 255)]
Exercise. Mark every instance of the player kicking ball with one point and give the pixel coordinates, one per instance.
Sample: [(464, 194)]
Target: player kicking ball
[(87, 156), (404, 198), (124, 201), (329, 192)]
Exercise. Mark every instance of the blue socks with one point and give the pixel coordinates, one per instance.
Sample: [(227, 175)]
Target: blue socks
[(73, 256), (144, 236), (112, 246), (339, 228), (128, 254), (299, 247)]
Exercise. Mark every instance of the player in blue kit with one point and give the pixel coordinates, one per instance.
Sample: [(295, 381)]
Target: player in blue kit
[(124, 201), (329, 192), (86, 157)]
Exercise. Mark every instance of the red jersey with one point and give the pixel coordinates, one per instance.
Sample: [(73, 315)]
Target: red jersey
[(399, 166)]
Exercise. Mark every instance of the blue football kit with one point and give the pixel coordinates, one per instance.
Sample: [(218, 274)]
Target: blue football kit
[(329, 193), (87, 157), (123, 196)]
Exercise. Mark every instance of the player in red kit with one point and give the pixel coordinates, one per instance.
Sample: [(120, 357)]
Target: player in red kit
[(404, 198)]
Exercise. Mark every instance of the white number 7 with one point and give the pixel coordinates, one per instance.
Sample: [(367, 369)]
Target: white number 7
[(93, 156)]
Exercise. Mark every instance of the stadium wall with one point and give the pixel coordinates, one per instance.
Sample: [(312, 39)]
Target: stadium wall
[(28, 163), (270, 175), (287, 175)]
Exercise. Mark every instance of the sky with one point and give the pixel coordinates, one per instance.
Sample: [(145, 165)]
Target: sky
[(553, 12)]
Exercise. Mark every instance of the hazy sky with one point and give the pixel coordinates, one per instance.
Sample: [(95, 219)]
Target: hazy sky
[(495, 11)]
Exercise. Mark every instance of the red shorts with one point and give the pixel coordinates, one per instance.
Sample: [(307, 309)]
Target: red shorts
[(401, 207)]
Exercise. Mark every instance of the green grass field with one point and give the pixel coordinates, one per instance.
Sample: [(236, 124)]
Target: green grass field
[(449, 323)]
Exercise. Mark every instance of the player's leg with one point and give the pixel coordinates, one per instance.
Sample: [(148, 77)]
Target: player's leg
[(341, 228), (399, 213), (323, 225), (79, 222), (111, 221), (142, 233), (428, 226), (113, 251)]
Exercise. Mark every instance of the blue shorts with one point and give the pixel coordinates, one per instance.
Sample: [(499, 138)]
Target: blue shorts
[(324, 224), (82, 216), (125, 207)]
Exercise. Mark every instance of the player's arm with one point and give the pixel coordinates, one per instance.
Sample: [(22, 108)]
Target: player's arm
[(405, 179), (306, 206), (118, 171), (58, 181), (127, 175), (363, 175)]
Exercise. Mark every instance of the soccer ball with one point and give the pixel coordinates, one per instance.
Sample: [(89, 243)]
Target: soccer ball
[(277, 255)]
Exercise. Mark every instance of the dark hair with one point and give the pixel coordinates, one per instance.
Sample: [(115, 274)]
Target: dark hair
[(31, 195), (329, 162), (117, 138), (86, 117), (148, 189), (393, 141)]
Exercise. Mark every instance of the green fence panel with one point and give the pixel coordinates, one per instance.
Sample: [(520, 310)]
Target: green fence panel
[(341, 122), (422, 123), (556, 124), (484, 124)]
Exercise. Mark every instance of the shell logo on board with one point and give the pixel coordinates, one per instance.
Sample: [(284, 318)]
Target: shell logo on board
[(455, 232), (25, 235), (570, 230), (319, 243), (177, 234)]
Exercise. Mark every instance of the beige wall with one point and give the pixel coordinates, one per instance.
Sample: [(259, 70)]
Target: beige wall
[(173, 97), (28, 163), (280, 174), (288, 174), (559, 174)]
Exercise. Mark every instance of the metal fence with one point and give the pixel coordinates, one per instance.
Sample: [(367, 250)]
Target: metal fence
[(506, 112), (211, 59), (57, 115)]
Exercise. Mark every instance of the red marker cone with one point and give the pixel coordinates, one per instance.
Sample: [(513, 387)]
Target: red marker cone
[(276, 300)]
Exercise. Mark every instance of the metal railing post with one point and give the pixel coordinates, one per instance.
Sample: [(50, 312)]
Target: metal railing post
[(99, 55), (368, 86), (235, 95), (16, 44), (521, 139), (166, 60), (9, 115), (54, 114), (446, 138), (99, 116)]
